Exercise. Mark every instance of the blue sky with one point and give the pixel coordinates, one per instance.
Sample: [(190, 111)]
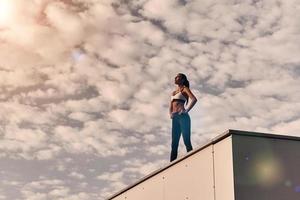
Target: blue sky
[(86, 84)]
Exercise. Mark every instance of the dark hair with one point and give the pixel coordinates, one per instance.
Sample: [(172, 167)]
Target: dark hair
[(185, 82)]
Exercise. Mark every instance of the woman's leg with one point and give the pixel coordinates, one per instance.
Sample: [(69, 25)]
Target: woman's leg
[(175, 137), (185, 124)]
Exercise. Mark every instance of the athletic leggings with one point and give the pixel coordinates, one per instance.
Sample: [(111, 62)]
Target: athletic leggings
[(181, 123)]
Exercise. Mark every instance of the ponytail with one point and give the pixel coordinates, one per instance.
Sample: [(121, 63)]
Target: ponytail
[(186, 83)]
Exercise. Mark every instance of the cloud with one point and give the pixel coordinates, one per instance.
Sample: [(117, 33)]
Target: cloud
[(111, 176), (288, 128), (159, 149), (115, 180), (24, 141), (47, 154), (132, 169), (45, 189), (59, 192), (93, 79), (80, 116), (77, 175)]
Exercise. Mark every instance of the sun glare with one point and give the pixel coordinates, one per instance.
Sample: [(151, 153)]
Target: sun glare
[(5, 11)]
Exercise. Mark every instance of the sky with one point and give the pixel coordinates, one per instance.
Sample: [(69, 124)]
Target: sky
[(85, 85)]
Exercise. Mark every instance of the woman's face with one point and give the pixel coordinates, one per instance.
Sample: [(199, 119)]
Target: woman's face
[(177, 79)]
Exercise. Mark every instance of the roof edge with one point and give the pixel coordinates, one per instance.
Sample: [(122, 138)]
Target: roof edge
[(261, 134)]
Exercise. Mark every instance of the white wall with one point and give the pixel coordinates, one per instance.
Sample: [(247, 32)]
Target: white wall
[(223, 166), (192, 178)]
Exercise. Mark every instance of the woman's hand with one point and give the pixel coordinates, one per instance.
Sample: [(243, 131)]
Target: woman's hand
[(183, 111)]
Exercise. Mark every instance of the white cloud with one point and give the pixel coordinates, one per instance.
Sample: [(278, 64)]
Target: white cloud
[(80, 116), (61, 192), (23, 140), (93, 78), (288, 128), (169, 12), (111, 176), (147, 32), (159, 149), (53, 189), (77, 175), (71, 34), (11, 183), (79, 196), (47, 154)]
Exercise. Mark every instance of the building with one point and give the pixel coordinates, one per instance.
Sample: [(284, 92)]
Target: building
[(237, 165)]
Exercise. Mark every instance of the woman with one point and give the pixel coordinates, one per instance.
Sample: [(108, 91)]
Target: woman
[(181, 122)]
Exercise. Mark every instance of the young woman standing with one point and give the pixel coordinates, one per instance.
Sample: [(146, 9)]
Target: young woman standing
[(181, 122)]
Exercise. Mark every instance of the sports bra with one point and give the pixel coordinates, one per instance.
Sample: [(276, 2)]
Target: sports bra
[(178, 96)]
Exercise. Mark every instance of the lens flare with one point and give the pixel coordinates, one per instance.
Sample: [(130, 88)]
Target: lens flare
[(267, 170), (77, 55), (288, 183), (6, 8), (297, 189)]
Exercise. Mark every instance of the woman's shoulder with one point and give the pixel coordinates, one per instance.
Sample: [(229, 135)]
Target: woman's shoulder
[(185, 88)]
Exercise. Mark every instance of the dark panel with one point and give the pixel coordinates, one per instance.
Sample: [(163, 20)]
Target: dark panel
[(266, 168)]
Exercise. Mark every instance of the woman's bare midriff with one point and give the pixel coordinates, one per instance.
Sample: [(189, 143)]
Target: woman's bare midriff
[(177, 106)]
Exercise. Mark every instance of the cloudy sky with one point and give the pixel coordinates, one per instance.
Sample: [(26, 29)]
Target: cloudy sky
[(85, 85)]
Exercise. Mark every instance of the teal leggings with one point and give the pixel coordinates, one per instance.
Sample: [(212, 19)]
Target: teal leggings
[(181, 123)]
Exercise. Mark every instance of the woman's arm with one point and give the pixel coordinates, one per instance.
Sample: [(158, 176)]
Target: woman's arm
[(191, 97), (170, 108)]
